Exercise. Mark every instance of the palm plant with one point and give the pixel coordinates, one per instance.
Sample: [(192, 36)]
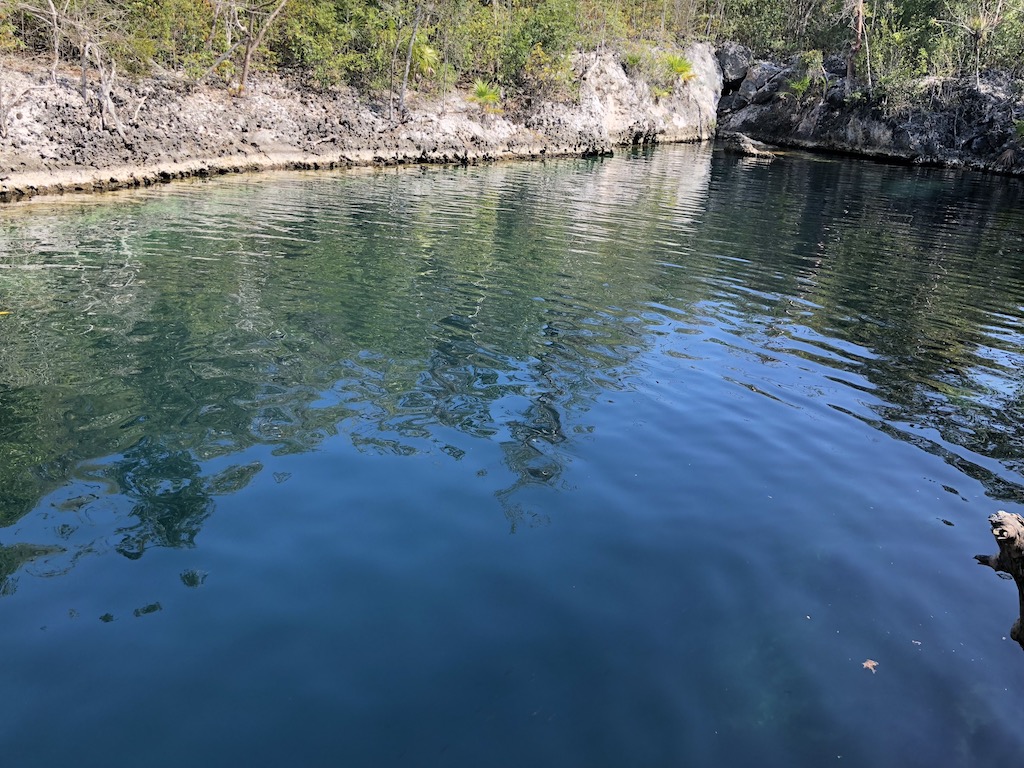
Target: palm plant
[(486, 95)]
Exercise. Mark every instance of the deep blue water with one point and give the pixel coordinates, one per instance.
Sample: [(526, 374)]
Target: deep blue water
[(621, 462)]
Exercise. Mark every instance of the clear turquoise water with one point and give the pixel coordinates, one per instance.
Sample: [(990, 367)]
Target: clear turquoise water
[(629, 462)]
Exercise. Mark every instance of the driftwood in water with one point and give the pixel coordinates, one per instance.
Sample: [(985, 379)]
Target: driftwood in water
[(1009, 532)]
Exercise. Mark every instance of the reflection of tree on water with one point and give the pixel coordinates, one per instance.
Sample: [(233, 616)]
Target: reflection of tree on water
[(13, 557), (171, 497), (465, 302), (918, 273), (421, 313)]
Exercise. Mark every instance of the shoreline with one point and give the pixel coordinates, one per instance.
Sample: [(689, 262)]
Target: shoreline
[(953, 123), (22, 188), (56, 143)]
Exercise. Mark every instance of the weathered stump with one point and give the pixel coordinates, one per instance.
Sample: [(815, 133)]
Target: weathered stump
[(1008, 529)]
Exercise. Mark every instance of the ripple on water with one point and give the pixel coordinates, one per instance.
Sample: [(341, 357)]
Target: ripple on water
[(617, 461)]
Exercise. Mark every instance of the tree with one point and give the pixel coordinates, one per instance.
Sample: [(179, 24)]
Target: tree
[(978, 22), (260, 17), (855, 9)]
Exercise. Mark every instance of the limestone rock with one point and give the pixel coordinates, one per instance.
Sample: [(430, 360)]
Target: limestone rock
[(173, 129), (744, 145), (961, 125), (734, 60)]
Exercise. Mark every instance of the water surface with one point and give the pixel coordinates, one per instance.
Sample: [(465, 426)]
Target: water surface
[(621, 462)]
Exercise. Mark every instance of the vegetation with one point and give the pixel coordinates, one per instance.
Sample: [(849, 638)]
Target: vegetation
[(811, 69), (434, 45), (487, 96)]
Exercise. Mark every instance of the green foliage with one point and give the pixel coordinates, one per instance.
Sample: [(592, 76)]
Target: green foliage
[(550, 77), (487, 96), (662, 68), (1018, 129), (811, 74), (678, 66), (314, 37), (521, 43), (9, 41), (172, 33), (799, 86)]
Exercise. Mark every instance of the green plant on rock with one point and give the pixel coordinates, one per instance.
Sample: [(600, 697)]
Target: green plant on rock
[(810, 74), (813, 64), (631, 61), (799, 86), (678, 66), (486, 96)]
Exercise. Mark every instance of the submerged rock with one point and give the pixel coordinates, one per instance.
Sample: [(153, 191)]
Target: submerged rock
[(744, 145)]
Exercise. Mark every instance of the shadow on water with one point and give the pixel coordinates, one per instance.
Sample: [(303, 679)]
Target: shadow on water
[(491, 304)]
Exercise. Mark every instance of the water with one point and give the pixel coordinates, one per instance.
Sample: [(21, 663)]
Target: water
[(628, 462)]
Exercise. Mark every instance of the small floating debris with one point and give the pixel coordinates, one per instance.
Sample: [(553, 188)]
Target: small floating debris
[(147, 609), (870, 664)]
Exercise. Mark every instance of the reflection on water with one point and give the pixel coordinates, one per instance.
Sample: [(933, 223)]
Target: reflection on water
[(670, 337), (428, 310)]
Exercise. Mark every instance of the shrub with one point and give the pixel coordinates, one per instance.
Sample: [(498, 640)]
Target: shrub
[(550, 77), (811, 75), (487, 96), (678, 66), (799, 86)]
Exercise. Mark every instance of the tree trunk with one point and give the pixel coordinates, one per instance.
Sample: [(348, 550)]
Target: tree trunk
[(56, 41), (391, 73), (855, 43), (255, 41), (408, 61), (1008, 530), (247, 57)]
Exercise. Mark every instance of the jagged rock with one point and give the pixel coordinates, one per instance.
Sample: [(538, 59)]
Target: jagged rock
[(1008, 530), (744, 145), (174, 130), (761, 82), (834, 65), (735, 60), (956, 123)]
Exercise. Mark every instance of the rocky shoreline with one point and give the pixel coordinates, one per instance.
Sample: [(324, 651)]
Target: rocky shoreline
[(52, 142), (950, 123)]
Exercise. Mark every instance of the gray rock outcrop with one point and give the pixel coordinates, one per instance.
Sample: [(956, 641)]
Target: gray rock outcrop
[(944, 122), (734, 60), (52, 141)]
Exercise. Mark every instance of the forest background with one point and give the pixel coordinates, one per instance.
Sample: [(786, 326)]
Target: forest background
[(507, 46)]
